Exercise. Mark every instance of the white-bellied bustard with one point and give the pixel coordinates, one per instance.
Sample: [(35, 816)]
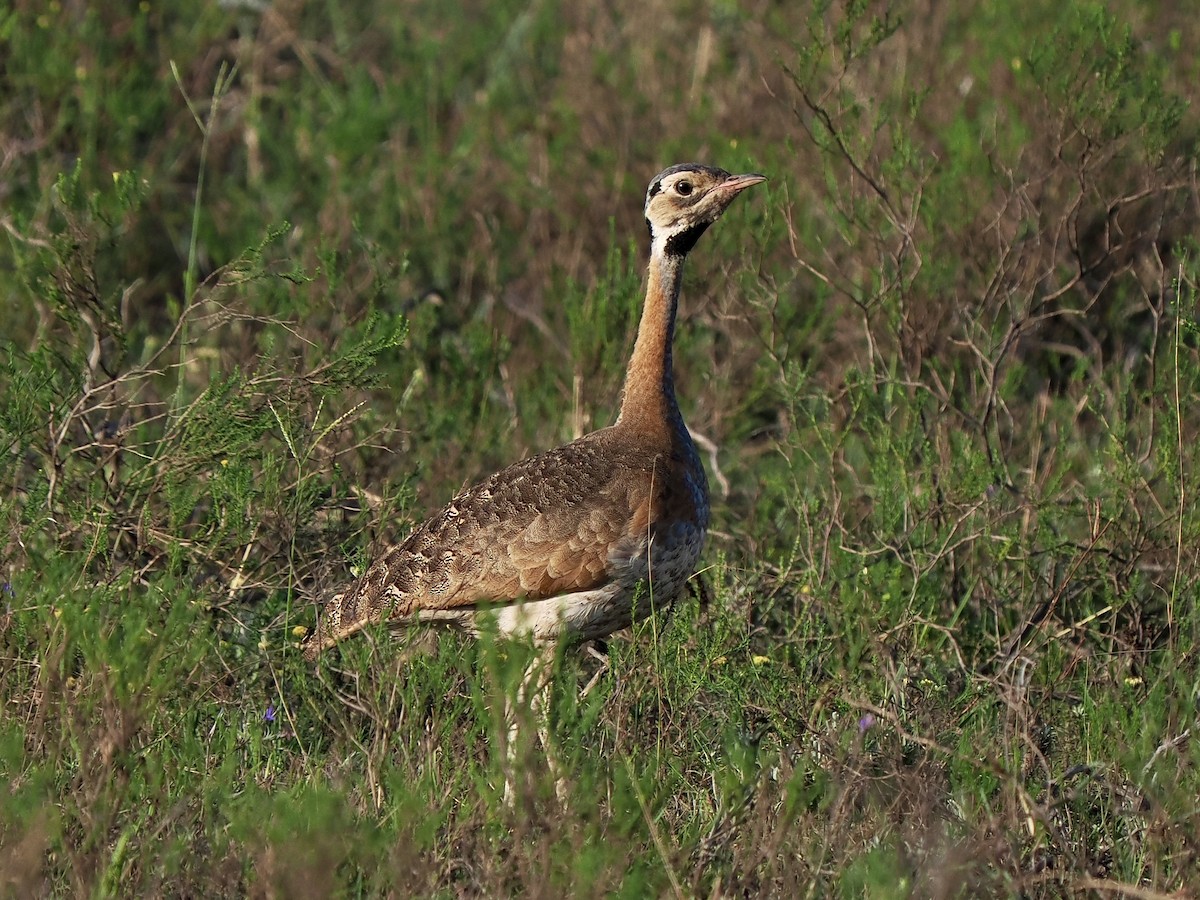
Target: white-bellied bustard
[(557, 545)]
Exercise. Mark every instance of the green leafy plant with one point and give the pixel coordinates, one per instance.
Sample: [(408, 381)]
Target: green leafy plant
[(280, 280)]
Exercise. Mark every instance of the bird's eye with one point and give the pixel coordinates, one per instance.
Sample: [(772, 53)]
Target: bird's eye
[(683, 188)]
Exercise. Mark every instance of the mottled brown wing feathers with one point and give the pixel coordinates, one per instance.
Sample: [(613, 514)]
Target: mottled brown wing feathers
[(542, 527)]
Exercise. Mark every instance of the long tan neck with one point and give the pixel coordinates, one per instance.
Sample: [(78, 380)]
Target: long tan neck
[(648, 402)]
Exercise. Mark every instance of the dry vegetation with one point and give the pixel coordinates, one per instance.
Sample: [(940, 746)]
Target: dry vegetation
[(280, 277)]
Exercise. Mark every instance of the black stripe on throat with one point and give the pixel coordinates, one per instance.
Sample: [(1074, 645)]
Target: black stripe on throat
[(681, 242)]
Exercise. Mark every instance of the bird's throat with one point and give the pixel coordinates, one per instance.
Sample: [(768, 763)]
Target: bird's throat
[(648, 401)]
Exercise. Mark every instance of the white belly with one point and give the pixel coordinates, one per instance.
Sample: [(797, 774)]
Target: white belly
[(617, 604)]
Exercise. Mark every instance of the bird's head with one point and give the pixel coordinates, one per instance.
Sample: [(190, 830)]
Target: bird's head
[(684, 200)]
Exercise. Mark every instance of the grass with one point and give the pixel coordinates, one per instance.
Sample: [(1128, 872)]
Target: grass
[(278, 281)]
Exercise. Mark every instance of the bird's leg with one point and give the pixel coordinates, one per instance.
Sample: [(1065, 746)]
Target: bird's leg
[(596, 653), (533, 694), (512, 716), (510, 762), (539, 678)]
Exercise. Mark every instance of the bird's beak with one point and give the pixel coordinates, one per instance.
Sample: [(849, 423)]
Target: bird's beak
[(735, 184)]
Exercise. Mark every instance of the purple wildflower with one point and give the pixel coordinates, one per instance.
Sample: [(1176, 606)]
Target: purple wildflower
[(865, 723), (269, 715)]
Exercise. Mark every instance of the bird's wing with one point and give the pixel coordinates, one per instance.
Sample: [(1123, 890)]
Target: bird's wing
[(545, 526)]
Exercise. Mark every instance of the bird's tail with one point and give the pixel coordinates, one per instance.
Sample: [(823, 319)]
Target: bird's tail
[(338, 620)]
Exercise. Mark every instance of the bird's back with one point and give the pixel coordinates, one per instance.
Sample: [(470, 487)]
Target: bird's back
[(555, 543)]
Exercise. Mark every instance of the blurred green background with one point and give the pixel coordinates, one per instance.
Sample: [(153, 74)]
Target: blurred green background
[(276, 279)]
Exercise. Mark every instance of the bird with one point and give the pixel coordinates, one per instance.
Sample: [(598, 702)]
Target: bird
[(587, 538), (561, 544)]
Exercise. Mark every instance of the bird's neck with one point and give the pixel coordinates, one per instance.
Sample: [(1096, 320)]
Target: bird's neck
[(648, 401)]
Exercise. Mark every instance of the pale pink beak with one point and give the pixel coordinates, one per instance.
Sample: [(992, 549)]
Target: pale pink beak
[(735, 184)]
